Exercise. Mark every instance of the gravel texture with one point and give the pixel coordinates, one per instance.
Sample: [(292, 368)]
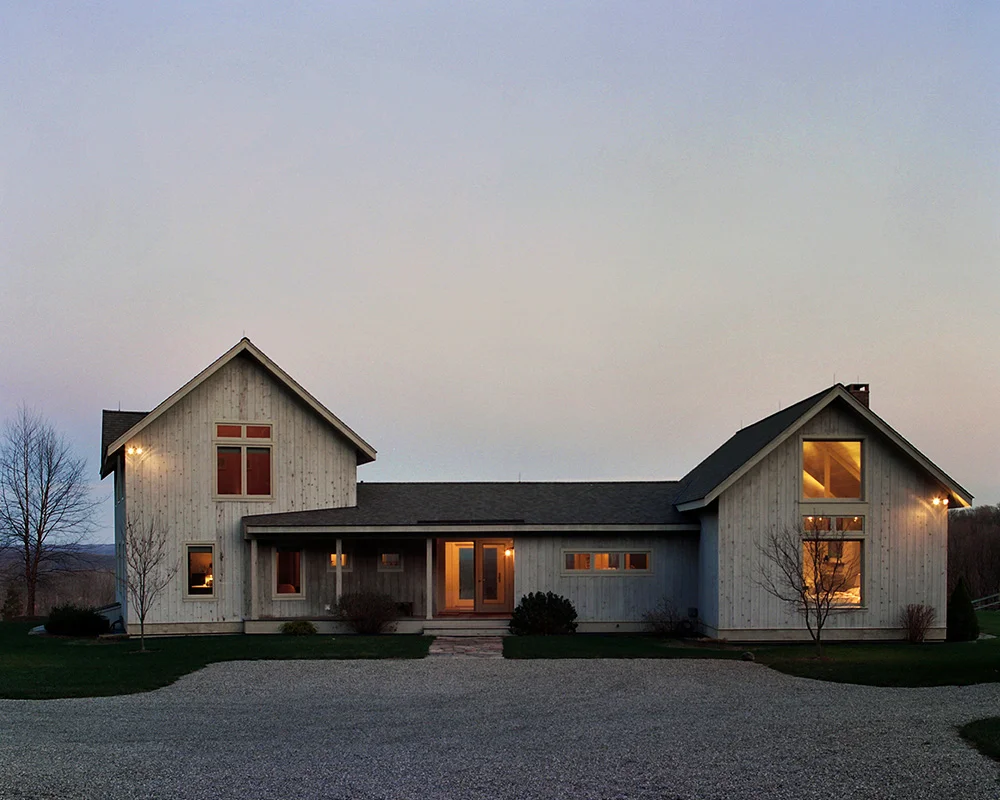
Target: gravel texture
[(472, 728)]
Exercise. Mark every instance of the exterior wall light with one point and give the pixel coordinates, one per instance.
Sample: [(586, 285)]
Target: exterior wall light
[(939, 501), (509, 552), (134, 451)]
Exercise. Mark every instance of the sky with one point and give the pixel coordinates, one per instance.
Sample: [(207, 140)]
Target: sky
[(506, 241)]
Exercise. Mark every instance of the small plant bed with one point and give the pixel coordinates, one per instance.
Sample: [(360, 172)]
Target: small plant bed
[(45, 667), (984, 735)]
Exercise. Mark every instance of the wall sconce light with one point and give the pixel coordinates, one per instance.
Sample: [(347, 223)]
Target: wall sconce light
[(509, 552), (134, 451), (939, 501)]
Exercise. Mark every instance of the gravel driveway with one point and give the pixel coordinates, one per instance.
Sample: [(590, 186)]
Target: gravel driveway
[(465, 728)]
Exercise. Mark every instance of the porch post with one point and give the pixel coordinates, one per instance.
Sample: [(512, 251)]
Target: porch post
[(430, 578), (254, 602), (340, 568)]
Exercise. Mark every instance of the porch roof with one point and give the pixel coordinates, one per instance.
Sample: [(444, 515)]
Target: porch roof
[(610, 503)]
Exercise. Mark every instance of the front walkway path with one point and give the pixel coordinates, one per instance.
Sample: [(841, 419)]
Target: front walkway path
[(475, 646)]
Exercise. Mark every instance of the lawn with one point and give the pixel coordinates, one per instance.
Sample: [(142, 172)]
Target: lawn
[(874, 664), (43, 667)]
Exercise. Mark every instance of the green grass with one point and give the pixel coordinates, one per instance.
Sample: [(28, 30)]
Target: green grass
[(872, 664), (984, 735), (42, 667)]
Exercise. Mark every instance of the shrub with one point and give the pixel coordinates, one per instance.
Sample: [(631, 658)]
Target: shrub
[(666, 620), (298, 627), (368, 612), (11, 603), (916, 619), (539, 613), (71, 620), (962, 623)]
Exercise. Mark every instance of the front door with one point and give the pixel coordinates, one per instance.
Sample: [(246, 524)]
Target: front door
[(479, 576)]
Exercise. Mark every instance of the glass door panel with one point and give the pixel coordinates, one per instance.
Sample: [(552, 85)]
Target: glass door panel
[(492, 579)]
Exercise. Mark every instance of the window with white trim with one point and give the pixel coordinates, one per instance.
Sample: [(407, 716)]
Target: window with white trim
[(200, 574), (606, 562), (243, 460), (346, 562), (390, 562), (288, 577), (833, 550)]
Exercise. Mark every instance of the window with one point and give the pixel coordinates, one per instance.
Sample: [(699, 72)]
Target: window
[(832, 568), (287, 573), (390, 562), (831, 470), (243, 459), (345, 562), (606, 563), (200, 575)]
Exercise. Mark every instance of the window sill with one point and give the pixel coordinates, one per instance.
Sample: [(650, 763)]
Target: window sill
[(288, 597), (241, 498), (200, 598)]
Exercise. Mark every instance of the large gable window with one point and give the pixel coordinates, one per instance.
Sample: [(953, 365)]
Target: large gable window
[(831, 470), (243, 460)]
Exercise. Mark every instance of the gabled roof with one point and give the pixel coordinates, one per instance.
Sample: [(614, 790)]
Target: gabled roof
[(244, 347), (749, 446), (400, 505), (114, 424)]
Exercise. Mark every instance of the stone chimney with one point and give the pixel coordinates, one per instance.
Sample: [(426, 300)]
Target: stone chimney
[(860, 393)]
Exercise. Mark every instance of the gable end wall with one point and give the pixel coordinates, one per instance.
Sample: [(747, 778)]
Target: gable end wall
[(905, 546)]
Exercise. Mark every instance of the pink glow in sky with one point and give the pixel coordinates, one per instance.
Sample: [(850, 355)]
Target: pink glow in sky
[(580, 241)]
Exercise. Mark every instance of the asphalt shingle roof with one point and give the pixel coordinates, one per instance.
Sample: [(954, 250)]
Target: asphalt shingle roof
[(740, 448), (113, 425), (603, 503)]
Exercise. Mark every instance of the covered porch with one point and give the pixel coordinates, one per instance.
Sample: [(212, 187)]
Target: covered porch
[(437, 581)]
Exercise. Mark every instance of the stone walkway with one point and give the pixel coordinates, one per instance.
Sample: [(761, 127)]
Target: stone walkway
[(475, 646)]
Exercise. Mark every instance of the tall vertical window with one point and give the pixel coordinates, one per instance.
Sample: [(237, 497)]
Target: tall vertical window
[(831, 470), (200, 574), (287, 572), (243, 460)]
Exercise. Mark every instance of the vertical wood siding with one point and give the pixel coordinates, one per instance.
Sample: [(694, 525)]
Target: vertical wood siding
[(172, 482), (905, 551), (611, 598), (708, 571)]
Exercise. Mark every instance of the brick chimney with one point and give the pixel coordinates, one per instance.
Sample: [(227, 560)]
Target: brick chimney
[(860, 393)]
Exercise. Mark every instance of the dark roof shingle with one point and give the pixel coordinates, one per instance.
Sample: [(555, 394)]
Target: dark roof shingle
[(113, 425), (556, 503)]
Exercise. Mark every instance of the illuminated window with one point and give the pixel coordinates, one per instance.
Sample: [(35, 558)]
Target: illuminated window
[(832, 569), (243, 459), (287, 572), (606, 563), (345, 562), (390, 562), (831, 470), (200, 575)]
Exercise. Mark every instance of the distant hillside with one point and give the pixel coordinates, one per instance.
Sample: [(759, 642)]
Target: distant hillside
[(83, 557)]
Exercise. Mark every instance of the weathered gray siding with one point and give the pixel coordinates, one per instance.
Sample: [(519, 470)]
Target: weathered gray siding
[(611, 598), (173, 481), (905, 536), (708, 572)]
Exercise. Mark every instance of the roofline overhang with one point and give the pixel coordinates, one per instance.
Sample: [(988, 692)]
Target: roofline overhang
[(258, 531), (365, 452), (954, 489)]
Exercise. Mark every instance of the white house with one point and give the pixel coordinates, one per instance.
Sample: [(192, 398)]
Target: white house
[(255, 483)]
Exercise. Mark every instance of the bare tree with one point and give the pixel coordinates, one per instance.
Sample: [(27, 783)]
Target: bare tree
[(811, 570), (46, 507), (149, 568)]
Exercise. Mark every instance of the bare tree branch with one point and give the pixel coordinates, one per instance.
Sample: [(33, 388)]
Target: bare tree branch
[(149, 567), (809, 569), (46, 507)]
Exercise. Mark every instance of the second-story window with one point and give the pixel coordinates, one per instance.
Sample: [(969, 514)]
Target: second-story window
[(243, 460)]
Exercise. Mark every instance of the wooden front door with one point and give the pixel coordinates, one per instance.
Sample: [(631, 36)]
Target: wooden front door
[(479, 576)]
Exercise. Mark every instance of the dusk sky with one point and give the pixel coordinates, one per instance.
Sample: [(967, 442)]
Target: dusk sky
[(547, 241)]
